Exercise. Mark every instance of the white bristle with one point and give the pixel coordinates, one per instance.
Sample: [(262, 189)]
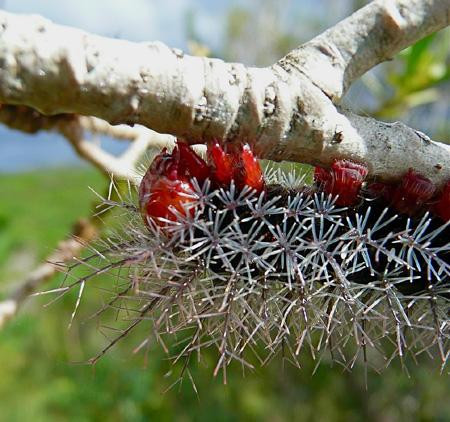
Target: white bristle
[(244, 271)]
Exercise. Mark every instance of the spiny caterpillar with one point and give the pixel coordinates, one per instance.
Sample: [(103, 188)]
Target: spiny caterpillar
[(221, 256)]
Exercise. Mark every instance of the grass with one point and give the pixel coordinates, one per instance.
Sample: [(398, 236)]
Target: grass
[(37, 209), (40, 379)]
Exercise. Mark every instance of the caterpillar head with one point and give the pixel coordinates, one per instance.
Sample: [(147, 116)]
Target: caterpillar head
[(166, 189)]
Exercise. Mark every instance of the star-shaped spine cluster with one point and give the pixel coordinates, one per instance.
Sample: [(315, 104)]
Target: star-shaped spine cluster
[(221, 257)]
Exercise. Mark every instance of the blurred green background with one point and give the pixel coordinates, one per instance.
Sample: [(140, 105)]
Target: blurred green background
[(42, 375)]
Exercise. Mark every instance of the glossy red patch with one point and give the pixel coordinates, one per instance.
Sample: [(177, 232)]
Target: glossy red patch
[(239, 165), (222, 164), (412, 193), (166, 189), (343, 179), (442, 207), (190, 164)]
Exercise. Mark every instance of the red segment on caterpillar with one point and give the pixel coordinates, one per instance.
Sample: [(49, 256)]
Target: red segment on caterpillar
[(222, 164), (166, 187), (190, 164), (251, 173), (442, 207), (321, 176), (412, 193), (344, 179), (239, 165), (165, 197)]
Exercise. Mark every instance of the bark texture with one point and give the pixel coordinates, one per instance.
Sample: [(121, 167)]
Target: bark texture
[(289, 111)]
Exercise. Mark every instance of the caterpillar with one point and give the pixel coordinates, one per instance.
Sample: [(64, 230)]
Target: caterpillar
[(223, 256)]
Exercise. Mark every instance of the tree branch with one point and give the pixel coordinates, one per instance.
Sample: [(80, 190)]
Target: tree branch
[(286, 111), (84, 232), (73, 128), (373, 34)]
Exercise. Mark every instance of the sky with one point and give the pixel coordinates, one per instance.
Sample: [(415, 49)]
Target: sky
[(136, 20)]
